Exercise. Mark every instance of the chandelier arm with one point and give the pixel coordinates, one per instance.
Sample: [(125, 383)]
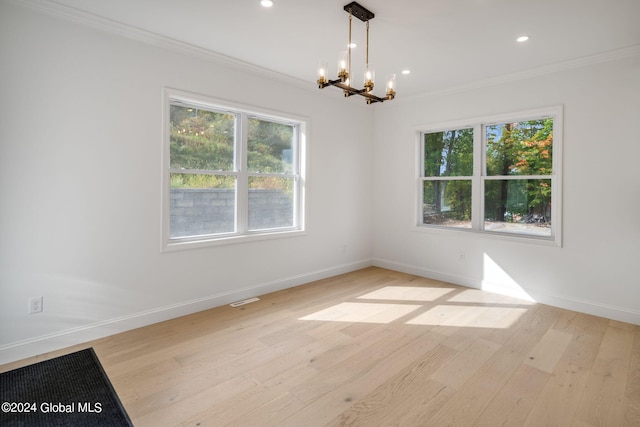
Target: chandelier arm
[(349, 91)]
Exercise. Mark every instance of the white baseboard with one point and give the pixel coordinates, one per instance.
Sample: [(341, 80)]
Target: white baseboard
[(63, 339), (561, 301)]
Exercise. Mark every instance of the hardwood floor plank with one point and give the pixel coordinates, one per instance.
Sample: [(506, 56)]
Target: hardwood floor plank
[(228, 412), (603, 396), (513, 403), (631, 416), (358, 377), (558, 400), (175, 411), (476, 394), (269, 414), (392, 400), (379, 355), (549, 350)]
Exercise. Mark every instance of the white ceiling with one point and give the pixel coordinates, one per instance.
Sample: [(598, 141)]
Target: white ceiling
[(445, 43)]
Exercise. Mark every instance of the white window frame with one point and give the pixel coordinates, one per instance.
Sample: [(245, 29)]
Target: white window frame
[(243, 114), (480, 176)]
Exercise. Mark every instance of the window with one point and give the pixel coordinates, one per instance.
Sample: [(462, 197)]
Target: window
[(229, 173), (496, 176), (448, 175)]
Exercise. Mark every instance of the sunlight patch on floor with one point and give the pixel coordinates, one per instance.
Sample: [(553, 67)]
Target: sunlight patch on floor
[(363, 312), (484, 297), (471, 308), (407, 293), (469, 316)]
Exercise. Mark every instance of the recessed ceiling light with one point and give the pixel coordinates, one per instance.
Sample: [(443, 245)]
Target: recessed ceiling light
[(266, 3), (522, 39), (352, 45), (406, 72)]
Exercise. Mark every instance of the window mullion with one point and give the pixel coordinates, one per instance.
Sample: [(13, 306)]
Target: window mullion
[(479, 171), (516, 177), (295, 173), (202, 172), (421, 180), (242, 183)]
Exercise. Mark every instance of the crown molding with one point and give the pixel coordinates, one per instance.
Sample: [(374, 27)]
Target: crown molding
[(600, 58), (100, 23)]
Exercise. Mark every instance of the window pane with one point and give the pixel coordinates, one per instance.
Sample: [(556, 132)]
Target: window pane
[(202, 204), (447, 203), (522, 148), (518, 206), (270, 147), (448, 153), (201, 139), (271, 202)]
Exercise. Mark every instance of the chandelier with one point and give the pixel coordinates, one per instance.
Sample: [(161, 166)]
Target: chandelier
[(344, 65)]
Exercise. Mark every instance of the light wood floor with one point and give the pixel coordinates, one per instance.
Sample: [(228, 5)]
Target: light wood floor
[(377, 348)]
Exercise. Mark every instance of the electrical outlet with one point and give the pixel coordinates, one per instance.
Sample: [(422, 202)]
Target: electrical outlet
[(35, 305)]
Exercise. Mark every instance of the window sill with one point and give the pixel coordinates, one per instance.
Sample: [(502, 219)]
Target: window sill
[(184, 244), (509, 237)]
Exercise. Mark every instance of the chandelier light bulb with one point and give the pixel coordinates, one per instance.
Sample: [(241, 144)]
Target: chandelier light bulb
[(322, 69), (343, 65), (391, 81), (323, 72), (391, 86), (343, 60), (369, 78)]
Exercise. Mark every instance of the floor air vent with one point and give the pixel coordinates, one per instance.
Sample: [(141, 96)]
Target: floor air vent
[(243, 302)]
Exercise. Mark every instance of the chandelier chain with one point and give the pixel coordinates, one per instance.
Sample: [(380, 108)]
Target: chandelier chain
[(367, 51), (349, 46)]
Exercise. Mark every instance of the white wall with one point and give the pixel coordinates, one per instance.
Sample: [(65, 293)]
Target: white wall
[(80, 168), (596, 270), (80, 144)]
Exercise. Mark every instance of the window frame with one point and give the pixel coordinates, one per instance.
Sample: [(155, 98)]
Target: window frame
[(480, 177), (243, 114)]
